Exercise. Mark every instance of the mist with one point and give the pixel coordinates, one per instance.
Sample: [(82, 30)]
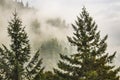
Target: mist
[(47, 34)]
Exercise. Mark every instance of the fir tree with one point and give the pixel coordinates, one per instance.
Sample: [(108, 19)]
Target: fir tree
[(16, 62), (90, 62), (27, 5)]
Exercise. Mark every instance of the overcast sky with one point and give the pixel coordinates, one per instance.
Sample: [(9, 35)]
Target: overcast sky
[(106, 13)]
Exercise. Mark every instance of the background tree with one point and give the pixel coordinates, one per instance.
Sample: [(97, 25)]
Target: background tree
[(17, 63), (48, 75), (90, 62)]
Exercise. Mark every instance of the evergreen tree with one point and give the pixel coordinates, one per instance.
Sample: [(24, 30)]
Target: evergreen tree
[(90, 62), (27, 5), (48, 75), (16, 63)]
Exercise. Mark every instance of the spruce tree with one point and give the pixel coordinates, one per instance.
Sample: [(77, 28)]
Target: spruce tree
[(90, 62), (17, 63)]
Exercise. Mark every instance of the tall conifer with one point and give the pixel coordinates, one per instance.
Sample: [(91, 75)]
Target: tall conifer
[(90, 62), (16, 62)]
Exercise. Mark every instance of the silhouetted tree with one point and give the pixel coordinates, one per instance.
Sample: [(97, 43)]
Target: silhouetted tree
[(27, 4), (51, 47), (17, 63), (35, 26), (90, 62)]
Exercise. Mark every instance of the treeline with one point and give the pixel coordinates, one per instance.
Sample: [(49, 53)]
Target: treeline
[(8, 4), (89, 62)]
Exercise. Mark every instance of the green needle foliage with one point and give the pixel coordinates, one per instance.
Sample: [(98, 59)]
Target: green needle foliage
[(90, 62), (16, 63)]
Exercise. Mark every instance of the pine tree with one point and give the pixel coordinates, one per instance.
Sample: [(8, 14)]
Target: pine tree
[(16, 63), (27, 5), (90, 62)]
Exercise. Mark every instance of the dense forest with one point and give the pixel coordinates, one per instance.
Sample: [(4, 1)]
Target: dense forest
[(46, 56)]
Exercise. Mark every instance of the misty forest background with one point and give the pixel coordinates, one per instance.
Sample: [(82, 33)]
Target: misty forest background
[(49, 37), (49, 43)]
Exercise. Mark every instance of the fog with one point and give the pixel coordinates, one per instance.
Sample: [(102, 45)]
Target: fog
[(47, 34)]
